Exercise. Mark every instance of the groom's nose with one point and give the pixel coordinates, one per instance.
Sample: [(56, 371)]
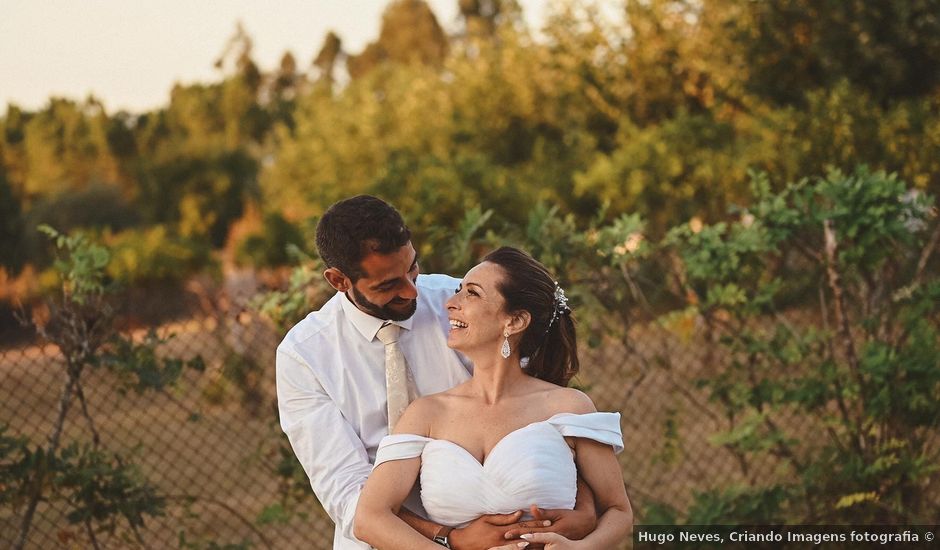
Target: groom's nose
[(409, 291)]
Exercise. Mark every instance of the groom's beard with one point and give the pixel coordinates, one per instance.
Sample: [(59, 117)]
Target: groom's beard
[(385, 312)]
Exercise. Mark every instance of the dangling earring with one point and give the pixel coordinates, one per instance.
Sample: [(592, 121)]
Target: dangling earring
[(505, 350)]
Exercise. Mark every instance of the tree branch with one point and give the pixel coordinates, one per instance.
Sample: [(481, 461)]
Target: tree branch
[(842, 320), (925, 256), (95, 438), (41, 471)]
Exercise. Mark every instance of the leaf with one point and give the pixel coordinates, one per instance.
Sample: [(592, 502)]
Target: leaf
[(853, 499)]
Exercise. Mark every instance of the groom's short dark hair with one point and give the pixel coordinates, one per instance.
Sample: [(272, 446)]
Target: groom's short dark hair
[(353, 228)]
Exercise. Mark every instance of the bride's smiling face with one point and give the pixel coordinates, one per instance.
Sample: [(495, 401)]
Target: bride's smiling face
[(477, 319)]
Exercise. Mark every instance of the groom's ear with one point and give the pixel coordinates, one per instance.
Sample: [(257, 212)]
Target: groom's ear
[(337, 279)]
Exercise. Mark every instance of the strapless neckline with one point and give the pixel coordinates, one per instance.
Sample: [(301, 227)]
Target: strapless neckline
[(532, 464), (482, 463)]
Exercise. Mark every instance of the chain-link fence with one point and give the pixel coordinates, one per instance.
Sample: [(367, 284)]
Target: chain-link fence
[(212, 447)]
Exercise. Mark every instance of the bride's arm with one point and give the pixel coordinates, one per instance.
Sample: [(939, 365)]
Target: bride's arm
[(599, 467), (377, 522)]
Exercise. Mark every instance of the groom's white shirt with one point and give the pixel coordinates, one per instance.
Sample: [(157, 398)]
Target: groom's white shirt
[(331, 390)]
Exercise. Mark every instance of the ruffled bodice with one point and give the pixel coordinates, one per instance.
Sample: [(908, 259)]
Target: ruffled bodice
[(531, 465)]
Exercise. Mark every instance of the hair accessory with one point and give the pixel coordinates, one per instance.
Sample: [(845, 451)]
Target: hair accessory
[(561, 304)]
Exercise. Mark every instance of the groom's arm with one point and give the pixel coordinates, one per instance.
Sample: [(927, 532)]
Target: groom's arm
[(336, 461), (480, 534), (326, 445)]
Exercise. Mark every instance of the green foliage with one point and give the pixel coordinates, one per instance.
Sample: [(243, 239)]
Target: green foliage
[(99, 489), (81, 265), (867, 379), (65, 146), (663, 115), (286, 307), (459, 253), (410, 33), (154, 254), (11, 226), (198, 543), (871, 45), (201, 194), (246, 375), (138, 366), (102, 489), (671, 170), (739, 506), (15, 465), (93, 209), (295, 497), (586, 146), (269, 247)]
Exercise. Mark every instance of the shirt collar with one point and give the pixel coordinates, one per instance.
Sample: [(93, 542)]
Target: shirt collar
[(367, 325)]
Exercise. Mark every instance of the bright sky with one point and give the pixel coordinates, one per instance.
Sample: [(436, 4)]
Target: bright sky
[(128, 53)]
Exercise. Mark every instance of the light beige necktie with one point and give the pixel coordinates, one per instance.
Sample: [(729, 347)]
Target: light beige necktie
[(398, 381)]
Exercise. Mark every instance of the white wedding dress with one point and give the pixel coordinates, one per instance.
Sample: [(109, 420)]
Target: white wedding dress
[(531, 465)]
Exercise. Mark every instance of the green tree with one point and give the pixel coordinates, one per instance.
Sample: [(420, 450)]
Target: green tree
[(410, 34), (66, 147), (863, 374), (101, 489), (326, 58), (11, 226), (890, 50)]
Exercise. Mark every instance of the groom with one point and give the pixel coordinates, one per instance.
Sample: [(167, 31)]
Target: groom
[(331, 372)]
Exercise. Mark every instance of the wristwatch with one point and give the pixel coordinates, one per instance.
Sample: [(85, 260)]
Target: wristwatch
[(441, 536)]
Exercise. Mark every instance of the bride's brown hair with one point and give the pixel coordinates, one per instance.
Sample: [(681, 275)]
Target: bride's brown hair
[(551, 346)]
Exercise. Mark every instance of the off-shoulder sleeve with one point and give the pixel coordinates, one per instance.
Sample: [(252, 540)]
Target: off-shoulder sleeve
[(602, 427), (400, 447)]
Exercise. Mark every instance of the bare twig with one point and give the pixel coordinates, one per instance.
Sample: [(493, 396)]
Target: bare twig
[(809, 252), (91, 535), (635, 290), (783, 449), (41, 471), (840, 401), (137, 536), (842, 322), (95, 438), (835, 284), (925, 256)]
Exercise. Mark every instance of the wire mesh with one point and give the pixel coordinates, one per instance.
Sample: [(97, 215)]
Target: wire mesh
[(212, 447)]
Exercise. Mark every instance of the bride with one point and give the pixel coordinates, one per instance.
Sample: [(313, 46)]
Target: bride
[(508, 438)]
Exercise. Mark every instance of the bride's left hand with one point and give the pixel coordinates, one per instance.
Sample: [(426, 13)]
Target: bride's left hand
[(552, 541), (511, 546)]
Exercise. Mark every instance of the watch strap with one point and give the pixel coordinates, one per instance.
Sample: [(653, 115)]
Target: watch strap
[(441, 536)]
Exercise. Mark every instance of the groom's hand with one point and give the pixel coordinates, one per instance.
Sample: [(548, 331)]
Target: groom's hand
[(572, 524), (487, 531)]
